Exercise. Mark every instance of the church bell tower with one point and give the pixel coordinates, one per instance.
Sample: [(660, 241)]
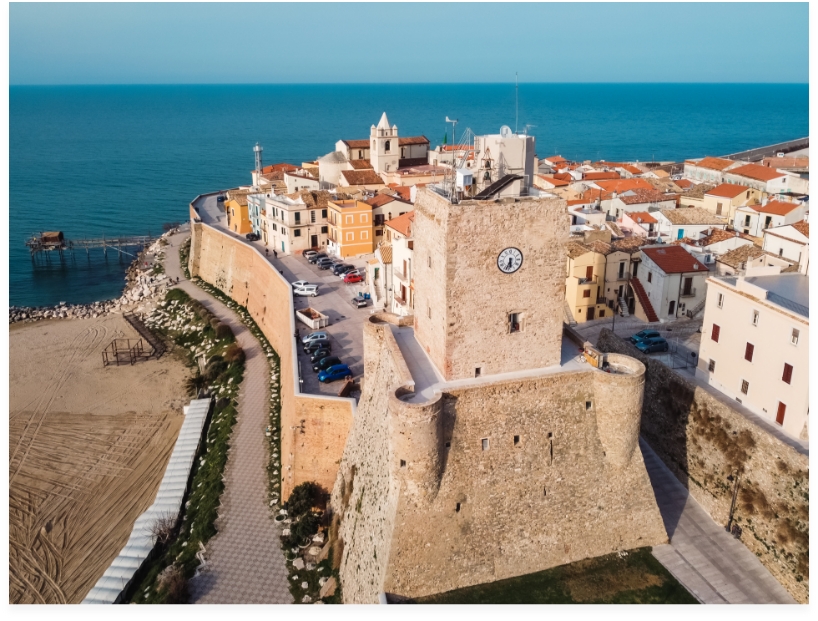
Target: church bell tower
[(384, 150)]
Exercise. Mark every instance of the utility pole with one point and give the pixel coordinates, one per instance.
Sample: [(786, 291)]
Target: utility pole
[(516, 102)]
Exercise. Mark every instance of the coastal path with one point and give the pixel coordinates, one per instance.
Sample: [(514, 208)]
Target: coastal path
[(245, 564)]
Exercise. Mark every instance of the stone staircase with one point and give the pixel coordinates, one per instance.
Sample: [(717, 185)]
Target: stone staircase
[(623, 307), (644, 300), (568, 316)]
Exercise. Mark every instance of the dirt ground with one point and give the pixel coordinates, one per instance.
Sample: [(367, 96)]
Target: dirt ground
[(88, 446)]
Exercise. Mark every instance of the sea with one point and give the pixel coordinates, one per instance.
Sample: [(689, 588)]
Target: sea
[(96, 161)]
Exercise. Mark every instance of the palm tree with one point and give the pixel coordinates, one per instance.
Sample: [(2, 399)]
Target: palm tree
[(195, 383)]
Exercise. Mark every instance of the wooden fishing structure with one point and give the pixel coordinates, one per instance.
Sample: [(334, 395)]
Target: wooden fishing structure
[(46, 243)]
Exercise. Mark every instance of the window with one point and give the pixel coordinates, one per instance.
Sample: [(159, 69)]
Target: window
[(748, 352), (364, 218), (714, 333), (323, 213), (350, 219), (485, 443), (589, 272), (360, 154), (312, 216), (477, 371), (794, 337), (403, 463), (780, 252), (457, 508), (755, 317), (711, 366), (779, 415), (350, 236), (718, 209), (720, 300), (745, 387), (586, 293), (378, 232), (297, 233), (621, 270), (787, 376), (364, 234), (298, 217), (429, 260), (514, 323), (323, 229), (387, 145), (650, 276)]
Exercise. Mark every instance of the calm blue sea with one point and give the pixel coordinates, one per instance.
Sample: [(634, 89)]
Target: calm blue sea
[(123, 160)]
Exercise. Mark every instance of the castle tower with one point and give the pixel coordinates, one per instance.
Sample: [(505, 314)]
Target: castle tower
[(384, 150), (488, 279)]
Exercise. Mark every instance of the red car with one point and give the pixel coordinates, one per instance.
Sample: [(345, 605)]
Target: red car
[(353, 277)]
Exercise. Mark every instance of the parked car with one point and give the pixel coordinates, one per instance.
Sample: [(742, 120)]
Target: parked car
[(325, 264), (359, 301), (306, 291), (220, 198), (339, 371), (313, 336), (644, 334), (326, 363), (653, 344), (317, 257), (325, 351), (300, 283), (314, 346), (308, 253), (351, 277), (342, 268), (252, 237)]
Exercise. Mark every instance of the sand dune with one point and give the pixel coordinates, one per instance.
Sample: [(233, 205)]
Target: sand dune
[(87, 449)]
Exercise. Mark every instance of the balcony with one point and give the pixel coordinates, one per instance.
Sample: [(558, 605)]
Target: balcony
[(397, 273), (688, 293), (399, 299)]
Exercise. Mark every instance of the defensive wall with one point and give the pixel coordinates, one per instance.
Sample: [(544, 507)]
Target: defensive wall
[(314, 428), (489, 481), (704, 441)]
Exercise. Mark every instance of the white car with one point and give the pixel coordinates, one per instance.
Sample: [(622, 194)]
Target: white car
[(314, 337), (306, 291), (301, 283)]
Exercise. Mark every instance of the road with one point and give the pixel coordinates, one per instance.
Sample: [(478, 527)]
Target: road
[(758, 154)]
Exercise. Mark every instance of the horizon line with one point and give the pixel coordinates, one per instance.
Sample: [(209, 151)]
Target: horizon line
[(87, 84)]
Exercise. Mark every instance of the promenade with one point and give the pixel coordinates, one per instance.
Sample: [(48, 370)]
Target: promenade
[(245, 564)]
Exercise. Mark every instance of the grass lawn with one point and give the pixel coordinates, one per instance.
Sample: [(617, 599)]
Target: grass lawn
[(637, 578)]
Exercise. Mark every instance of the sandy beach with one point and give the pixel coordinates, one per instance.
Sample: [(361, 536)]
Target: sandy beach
[(87, 449)]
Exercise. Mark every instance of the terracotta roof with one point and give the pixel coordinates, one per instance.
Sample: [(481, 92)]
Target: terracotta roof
[(360, 164), (691, 215), (640, 196), (631, 169), (404, 191), (599, 246), (674, 260), (557, 183), (623, 185), (684, 183), (300, 175), (410, 140), (777, 208), (736, 257), (357, 144), (362, 177), (555, 158), (628, 244), (576, 249), (759, 173), (563, 177), (598, 176), (379, 200), (386, 252), (578, 201), (316, 199), (277, 168), (698, 191), (456, 147), (802, 227), (402, 224), (713, 163), (662, 174), (642, 216), (715, 236), (727, 190), (786, 162)]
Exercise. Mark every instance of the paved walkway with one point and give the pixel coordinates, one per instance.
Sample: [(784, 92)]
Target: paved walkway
[(245, 564), (708, 561)]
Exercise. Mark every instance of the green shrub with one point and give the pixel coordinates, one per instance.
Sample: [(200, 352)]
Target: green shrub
[(215, 323), (234, 353), (214, 369), (223, 331), (222, 403), (304, 497), (176, 295)]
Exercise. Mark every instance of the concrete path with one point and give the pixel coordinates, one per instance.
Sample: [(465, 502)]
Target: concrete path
[(245, 564), (708, 561)]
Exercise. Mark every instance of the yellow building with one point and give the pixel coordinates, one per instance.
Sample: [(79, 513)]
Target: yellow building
[(724, 199), (351, 230), (238, 215), (585, 282)]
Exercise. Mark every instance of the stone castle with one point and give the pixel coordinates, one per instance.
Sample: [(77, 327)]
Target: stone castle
[(481, 449)]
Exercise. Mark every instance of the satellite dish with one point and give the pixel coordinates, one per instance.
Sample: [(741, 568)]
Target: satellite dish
[(505, 131)]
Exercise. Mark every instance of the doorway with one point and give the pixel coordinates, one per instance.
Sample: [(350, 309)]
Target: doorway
[(313, 241), (671, 309), (779, 416), (591, 310)]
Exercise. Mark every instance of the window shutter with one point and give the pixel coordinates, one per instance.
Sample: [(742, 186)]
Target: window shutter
[(787, 377), (748, 352), (714, 334)]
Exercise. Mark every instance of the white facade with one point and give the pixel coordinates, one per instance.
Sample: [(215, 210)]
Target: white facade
[(402, 267), (498, 155), (753, 222), (672, 295), (300, 181), (330, 167), (704, 174), (385, 150), (786, 182), (674, 231), (293, 226), (765, 319), (785, 241)]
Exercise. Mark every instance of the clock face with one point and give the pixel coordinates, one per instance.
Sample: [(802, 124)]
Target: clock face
[(510, 260)]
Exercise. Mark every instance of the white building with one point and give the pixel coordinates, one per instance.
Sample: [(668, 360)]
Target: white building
[(300, 180), (297, 222), (708, 169), (755, 219), (673, 281), (638, 199), (755, 345), (789, 241), (767, 179), (689, 222), (399, 235), (506, 153)]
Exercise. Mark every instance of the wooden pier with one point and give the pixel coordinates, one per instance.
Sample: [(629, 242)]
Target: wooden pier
[(47, 243)]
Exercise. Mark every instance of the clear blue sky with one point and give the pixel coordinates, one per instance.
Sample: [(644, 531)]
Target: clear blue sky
[(302, 43)]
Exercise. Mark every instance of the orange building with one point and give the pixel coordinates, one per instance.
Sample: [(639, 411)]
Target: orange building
[(351, 230)]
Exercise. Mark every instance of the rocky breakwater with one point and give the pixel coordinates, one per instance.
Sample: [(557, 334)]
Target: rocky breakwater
[(146, 285)]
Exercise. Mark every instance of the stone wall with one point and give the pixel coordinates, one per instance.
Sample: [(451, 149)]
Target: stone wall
[(314, 428), (462, 308), (703, 441), (425, 508)]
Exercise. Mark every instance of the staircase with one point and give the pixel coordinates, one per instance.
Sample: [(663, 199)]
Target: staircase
[(642, 296), (156, 343), (696, 309), (623, 307), (568, 315)]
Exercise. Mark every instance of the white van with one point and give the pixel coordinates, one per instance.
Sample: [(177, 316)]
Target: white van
[(306, 291)]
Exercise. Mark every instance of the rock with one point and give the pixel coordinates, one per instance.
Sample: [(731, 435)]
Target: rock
[(324, 552), (328, 590), (322, 581), (314, 551), (306, 600), (298, 563), (305, 585), (319, 538)]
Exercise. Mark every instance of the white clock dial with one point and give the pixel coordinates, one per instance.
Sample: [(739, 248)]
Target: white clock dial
[(510, 260)]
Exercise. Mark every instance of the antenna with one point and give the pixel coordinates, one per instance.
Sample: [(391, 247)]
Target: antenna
[(516, 101)]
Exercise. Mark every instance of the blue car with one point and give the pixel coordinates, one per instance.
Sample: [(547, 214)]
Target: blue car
[(651, 345), (644, 334), (335, 372)]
